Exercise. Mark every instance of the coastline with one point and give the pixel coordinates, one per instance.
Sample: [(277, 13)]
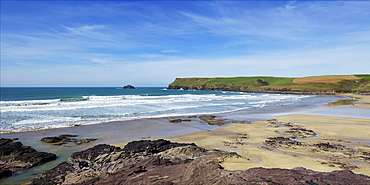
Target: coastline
[(195, 131), (292, 92)]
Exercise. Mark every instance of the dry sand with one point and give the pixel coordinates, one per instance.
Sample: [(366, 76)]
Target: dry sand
[(248, 140)]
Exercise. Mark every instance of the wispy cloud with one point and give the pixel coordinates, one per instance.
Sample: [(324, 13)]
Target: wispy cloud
[(290, 5), (85, 30), (155, 42), (170, 51)]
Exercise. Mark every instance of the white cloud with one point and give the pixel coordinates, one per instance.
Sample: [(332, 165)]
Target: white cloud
[(290, 5), (170, 51), (87, 31)]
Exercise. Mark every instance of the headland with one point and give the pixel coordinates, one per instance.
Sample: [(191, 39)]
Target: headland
[(316, 85)]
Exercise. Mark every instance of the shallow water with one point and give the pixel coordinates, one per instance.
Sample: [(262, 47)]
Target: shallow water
[(27, 109)]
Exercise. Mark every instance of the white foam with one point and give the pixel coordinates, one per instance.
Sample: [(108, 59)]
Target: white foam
[(41, 114)]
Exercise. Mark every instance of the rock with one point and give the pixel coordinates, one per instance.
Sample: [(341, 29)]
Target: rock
[(262, 82), (78, 142), (164, 162), (151, 147), (282, 141), (5, 173), (15, 157), (211, 120), (328, 146), (64, 139), (300, 133), (66, 136), (51, 139), (179, 120), (55, 176), (91, 153), (128, 87)]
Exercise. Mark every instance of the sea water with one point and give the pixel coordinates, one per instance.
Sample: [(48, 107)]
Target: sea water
[(26, 109)]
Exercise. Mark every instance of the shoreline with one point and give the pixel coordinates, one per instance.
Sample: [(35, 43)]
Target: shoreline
[(164, 117), (118, 133), (339, 142)]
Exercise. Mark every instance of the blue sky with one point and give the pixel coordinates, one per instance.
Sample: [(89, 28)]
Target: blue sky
[(150, 43)]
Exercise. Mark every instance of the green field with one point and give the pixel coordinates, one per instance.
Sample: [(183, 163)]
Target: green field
[(341, 83)]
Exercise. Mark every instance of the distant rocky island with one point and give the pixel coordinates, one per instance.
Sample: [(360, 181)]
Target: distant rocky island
[(128, 87), (327, 85)]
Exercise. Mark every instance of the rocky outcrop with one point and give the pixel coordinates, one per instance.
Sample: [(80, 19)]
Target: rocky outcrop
[(211, 120), (15, 157), (128, 87), (64, 139), (164, 162), (179, 120)]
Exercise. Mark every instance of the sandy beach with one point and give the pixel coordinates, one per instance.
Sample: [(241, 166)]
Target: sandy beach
[(336, 143), (317, 142)]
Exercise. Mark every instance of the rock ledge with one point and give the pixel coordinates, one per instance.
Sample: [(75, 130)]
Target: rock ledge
[(164, 162)]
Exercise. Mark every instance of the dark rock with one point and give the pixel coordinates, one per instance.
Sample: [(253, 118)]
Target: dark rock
[(151, 147), (64, 139), (5, 173), (275, 123), (163, 162), (302, 176), (78, 142), (300, 133), (179, 120), (83, 164), (329, 146), (92, 153), (262, 82), (51, 139), (66, 136), (4, 141), (211, 120), (55, 176), (35, 158), (15, 157), (128, 87), (282, 141)]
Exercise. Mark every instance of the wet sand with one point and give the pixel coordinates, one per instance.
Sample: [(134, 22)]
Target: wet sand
[(363, 100)]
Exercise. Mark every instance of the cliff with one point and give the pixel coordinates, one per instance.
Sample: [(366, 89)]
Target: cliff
[(262, 84)]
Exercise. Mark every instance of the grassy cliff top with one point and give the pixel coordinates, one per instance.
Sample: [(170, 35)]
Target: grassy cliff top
[(348, 83)]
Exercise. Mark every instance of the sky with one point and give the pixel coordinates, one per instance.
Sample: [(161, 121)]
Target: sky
[(150, 43)]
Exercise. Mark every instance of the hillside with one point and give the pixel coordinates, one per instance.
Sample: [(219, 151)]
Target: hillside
[(306, 85)]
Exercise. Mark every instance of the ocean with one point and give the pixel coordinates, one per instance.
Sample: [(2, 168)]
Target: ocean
[(27, 109)]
